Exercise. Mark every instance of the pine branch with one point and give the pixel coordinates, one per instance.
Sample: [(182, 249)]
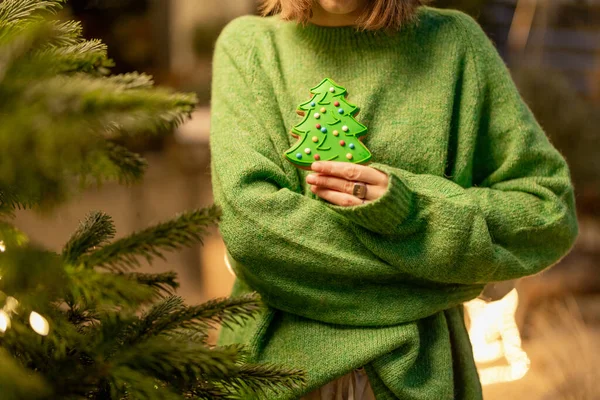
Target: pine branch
[(92, 289), (85, 56), (11, 236), (210, 392), (17, 43), (11, 199), (226, 311), (66, 33), (31, 272), (264, 378), (130, 166), (164, 283), (96, 230), (128, 384), (81, 316), (19, 382), (131, 80), (19, 11), (171, 315), (184, 230), (170, 360), (91, 96)]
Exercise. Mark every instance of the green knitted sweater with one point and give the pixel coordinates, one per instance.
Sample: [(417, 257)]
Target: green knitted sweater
[(476, 194)]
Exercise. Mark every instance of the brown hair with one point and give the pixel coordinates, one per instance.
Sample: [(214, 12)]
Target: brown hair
[(378, 14)]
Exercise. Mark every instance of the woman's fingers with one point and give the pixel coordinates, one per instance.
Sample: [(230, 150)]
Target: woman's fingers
[(350, 172), (335, 197), (343, 185)]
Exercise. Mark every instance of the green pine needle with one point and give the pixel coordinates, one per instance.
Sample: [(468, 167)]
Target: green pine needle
[(164, 283), (171, 315), (96, 230), (265, 378), (130, 166), (184, 230), (19, 11), (19, 382)]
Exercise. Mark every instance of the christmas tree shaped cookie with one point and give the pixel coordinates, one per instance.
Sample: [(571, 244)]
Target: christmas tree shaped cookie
[(328, 131)]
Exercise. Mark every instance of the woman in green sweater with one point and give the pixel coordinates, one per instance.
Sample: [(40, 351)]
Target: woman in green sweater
[(463, 189)]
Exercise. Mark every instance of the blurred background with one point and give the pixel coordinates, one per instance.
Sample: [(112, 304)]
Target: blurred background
[(536, 337)]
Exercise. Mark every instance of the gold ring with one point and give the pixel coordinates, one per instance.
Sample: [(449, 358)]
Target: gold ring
[(359, 190)]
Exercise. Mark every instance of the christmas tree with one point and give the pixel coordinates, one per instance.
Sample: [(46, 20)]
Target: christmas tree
[(328, 131), (82, 323)]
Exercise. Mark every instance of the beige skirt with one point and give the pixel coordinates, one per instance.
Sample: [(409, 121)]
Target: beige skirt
[(352, 386)]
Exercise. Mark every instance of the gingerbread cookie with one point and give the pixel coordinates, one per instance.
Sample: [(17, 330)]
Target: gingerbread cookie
[(328, 131)]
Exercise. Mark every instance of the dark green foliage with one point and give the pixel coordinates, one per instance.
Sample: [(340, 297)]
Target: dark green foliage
[(123, 254), (114, 332)]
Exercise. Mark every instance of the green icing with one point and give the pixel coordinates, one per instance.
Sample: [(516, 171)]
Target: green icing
[(327, 145)]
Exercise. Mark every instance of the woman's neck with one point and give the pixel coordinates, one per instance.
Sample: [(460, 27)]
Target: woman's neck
[(323, 18)]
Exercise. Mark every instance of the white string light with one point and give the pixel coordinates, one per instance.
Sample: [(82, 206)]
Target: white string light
[(4, 321), (11, 305), (39, 324), (2, 247), (494, 335)]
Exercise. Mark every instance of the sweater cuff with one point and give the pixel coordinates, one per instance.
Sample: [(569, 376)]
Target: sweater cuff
[(385, 214)]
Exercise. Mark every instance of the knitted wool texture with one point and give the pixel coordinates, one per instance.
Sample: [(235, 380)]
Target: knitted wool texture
[(476, 194)]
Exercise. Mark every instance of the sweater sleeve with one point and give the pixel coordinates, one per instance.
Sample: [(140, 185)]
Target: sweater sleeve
[(299, 254), (516, 216)]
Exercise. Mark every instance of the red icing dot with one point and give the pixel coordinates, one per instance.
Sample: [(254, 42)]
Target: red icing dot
[(337, 104), (317, 157), (342, 143), (318, 126)]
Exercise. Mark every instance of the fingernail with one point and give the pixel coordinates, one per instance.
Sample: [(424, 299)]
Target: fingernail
[(316, 166), (311, 178)]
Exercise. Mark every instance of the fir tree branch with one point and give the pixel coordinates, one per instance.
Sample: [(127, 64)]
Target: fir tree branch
[(85, 56), (11, 236), (184, 230), (30, 272), (91, 289), (130, 166), (170, 360), (19, 11), (131, 80), (19, 382), (263, 378), (96, 230), (225, 311), (92, 96), (66, 33), (16, 44), (171, 315), (10, 199), (210, 392), (165, 282), (129, 384)]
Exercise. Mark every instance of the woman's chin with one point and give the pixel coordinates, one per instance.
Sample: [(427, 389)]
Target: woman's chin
[(340, 6)]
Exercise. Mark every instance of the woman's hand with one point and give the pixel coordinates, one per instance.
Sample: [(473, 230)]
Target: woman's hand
[(334, 182)]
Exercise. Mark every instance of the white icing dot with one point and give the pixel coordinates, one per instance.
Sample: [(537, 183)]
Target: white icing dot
[(345, 128), (332, 89), (307, 150), (317, 115)]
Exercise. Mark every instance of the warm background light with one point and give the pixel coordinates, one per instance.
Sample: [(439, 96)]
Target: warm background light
[(39, 324)]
